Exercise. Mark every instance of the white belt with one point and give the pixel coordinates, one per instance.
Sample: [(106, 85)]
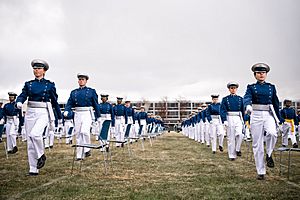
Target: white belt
[(232, 113), (36, 104), (261, 107), (119, 117), (80, 109), (106, 115), (215, 116)]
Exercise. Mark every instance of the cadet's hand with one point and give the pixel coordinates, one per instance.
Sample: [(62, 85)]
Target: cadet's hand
[(286, 123), (60, 122), (249, 109), (66, 113), (98, 119), (19, 105)]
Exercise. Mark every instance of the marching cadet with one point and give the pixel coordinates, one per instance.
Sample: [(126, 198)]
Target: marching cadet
[(130, 115), (1, 121), (216, 128), (232, 115), (12, 116), (205, 136), (143, 118), (290, 124), (84, 99), (42, 99), (106, 113), (120, 119), (262, 102)]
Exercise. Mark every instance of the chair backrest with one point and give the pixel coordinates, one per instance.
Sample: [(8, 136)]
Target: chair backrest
[(140, 130), (104, 130), (127, 131), (70, 130)]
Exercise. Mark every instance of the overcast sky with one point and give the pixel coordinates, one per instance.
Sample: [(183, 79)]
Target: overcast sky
[(151, 49)]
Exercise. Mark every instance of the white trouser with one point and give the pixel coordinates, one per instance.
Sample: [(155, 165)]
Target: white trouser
[(120, 126), (68, 124), (11, 134), (102, 119), (261, 122), (23, 134), (131, 132), (49, 137), (144, 123), (196, 132), (36, 119), (202, 132), (135, 128), (234, 135), (287, 133), (216, 130), (207, 132), (83, 121)]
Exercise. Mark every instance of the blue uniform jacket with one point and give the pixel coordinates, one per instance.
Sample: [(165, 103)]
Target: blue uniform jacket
[(262, 93), (42, 91), (120, 110), (83, 97), (289, 113), (212, 109), (106, 108), (130, 113), (233, 103), (10, 109)]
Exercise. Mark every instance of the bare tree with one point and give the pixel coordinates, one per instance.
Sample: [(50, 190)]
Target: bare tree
[(162, 107)]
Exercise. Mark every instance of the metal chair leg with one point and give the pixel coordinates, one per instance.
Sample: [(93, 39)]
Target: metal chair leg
[(289, 164), (4, 143), (73, 160)]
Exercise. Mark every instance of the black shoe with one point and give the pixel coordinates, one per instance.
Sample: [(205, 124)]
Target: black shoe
[(15, 150), (122, 145), (295, 145), (208, 145), (51, 147), (47, 147), (32, 174), (260, 177), (239, 153), (10, 152), (283, 145), (79, 159), (87, 154), (221, 148), (0, 140), (270, 162), (214, 152), (231, 159), (107, 149), (41, 162), (70, 142)]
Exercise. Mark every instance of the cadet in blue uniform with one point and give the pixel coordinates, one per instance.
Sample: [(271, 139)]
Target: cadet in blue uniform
[(232, 115), (12, 116), (106, 113), (290, 124), (204, 125), (142, 118), (42, 99), (83, 99), (262, 102), (130, 115), (1, 121), (120, 119), (216, 128)]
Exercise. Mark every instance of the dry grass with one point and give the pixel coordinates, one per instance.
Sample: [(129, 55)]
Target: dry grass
[(174, 168)]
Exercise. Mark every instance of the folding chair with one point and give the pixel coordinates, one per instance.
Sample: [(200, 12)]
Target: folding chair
[(126, 137), (102, 136), (289, 150)]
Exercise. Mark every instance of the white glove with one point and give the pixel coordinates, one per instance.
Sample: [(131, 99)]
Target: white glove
[(225, 123), (66, 113), (211, 122), (60, 121), (2, 121), (98, 119), (249, 109), (19, 105), (112, 129), (286, 123)]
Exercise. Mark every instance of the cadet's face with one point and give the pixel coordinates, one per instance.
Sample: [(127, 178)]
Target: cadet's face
[(260, 76), (11, 98), (119, 101), (103, 99), (142, 110), (215, 100), (288, 104), (232, 89), (39, 72), (82, 82)]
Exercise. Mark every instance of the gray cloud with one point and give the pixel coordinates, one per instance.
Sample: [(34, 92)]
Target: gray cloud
[(151, 49)]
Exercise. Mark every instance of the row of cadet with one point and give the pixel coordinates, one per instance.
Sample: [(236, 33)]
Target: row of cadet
[(12, 123), (215, 121)]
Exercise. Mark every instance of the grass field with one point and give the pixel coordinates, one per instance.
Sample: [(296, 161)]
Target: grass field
[(175, 167)]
